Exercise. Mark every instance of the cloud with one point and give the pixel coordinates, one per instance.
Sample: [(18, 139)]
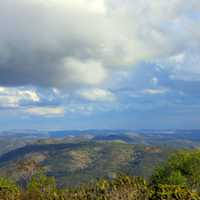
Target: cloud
[(14, 97), (46, 111), (67, 44), (183, 66), (153, 91), (97, 94), (177, 59), (89, 72)]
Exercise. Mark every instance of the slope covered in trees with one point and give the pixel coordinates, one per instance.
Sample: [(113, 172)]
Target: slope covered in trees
[(74, 163), (176, 179)]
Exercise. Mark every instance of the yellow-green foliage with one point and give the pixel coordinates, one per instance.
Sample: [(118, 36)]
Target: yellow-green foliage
[(182, 168), (123, 187), (8, 190), (41, 187), (172, 192)]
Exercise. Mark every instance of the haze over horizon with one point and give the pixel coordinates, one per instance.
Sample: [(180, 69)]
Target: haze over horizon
[(100, 64)]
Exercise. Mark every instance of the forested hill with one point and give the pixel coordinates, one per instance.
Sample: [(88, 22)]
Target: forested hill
[(76, 162)]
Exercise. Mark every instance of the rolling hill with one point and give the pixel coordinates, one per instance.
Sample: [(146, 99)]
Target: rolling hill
[(73, 162)]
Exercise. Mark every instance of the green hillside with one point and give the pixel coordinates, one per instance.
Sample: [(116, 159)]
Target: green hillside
[(77, 161)]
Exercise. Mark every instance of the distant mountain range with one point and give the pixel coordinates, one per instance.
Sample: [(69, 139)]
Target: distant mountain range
[(12, 139), (181, 134)]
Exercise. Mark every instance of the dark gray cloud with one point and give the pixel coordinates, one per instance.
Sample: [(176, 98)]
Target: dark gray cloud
[(80, 42)]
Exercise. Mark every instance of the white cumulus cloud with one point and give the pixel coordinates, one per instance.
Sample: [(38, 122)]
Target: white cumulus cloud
[(46, 111), (97, 94), (13, 97)]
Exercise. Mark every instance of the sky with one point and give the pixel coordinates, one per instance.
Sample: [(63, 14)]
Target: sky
[(87, 64)]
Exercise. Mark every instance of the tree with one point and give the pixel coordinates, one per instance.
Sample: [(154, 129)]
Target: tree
[(182, 168)]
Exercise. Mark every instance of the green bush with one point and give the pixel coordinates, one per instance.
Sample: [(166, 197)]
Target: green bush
[(41, 187), (172, 192), (8, 190), (182, 168), (123, 187)]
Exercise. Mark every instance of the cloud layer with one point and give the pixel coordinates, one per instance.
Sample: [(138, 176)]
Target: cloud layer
[(88, 57), (69, 44)]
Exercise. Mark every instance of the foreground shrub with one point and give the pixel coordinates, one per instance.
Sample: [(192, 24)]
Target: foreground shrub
[(8, 190), (124, 187), (41, 187), (182, 168), (172, 192)]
